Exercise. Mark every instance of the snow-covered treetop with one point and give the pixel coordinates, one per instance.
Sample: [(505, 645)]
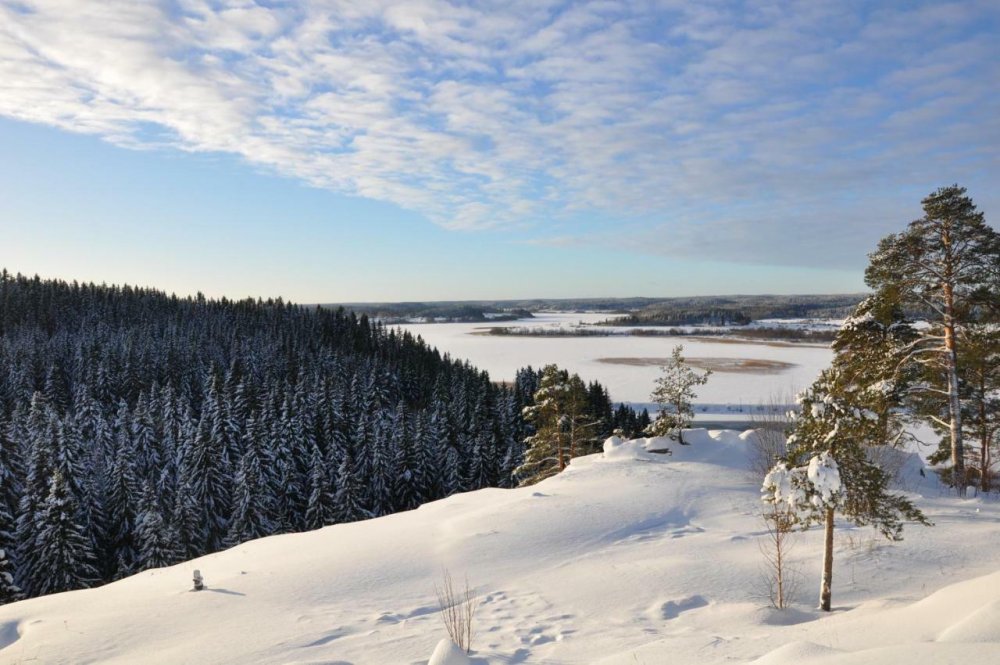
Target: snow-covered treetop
[(805, 490)]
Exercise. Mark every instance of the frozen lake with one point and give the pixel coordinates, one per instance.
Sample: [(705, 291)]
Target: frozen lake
[(787, 368)]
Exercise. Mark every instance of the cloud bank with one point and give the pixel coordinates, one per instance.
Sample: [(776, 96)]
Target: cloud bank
[(749, 123)]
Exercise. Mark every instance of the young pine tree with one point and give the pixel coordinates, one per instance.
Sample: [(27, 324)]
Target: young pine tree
[(563, 426), (827, 470), (674, 392)]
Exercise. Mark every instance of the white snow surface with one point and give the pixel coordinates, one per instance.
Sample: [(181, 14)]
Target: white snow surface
[(448, 653), (502, 356), (626, 557)]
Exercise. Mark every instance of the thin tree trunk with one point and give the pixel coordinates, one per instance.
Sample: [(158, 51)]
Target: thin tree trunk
[(826, 586), (954, 407), (560, 450), (984, 442), (951, 357), (680, 434)]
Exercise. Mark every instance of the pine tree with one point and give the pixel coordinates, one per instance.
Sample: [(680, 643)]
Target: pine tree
[(870, 348), (547, 453), (940, 265), (563, 426), (674, 392), (579, 419), (979, 382), (827, 469)]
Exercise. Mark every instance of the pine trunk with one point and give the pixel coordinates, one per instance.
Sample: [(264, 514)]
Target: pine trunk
[(954, 406), (826, 586), (951, 366), (985, 462)]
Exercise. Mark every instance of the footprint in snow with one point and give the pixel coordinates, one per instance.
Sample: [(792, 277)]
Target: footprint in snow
[(674, 608)]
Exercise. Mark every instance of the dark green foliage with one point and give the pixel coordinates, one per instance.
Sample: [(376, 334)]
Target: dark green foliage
[(65, 557), (157, 545), (851, 408), (945, 267), (674, 393), (242, 419)]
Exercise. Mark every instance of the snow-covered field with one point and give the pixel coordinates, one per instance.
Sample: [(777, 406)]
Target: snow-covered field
[(624, 558), (502, 356)]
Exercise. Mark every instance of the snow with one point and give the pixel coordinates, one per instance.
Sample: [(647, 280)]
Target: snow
[(502, 356), (448, 653), (824, 475), (626, 557)]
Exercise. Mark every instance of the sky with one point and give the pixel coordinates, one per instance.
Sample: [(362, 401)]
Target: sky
[(395, 151)]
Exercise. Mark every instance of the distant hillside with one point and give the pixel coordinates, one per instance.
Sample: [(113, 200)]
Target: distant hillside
[(740, 310), (436, 312), (694, 310)]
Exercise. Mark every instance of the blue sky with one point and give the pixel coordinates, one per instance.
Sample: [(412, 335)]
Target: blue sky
[(352, 151)]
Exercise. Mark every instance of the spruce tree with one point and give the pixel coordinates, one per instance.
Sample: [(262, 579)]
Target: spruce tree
[(407, 480), (253, 506), (350, 492), (64, 552), (9, 591), (321, 508), (157, 545), (207, 478)]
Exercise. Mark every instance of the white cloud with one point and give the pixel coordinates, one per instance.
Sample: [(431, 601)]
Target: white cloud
[(746, 120)]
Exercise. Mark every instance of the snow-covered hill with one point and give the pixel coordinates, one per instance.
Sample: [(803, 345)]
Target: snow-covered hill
[(628, 557)]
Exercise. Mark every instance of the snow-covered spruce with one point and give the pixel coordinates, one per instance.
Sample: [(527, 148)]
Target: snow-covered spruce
[(182, 426)]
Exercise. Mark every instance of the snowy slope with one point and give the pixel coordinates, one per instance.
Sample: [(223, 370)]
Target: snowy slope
[(628, 557)]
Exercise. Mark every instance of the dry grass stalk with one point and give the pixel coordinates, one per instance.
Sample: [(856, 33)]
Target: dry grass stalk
[(458, 610)]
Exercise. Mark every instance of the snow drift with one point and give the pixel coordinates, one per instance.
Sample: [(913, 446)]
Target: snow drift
[(628, 556)]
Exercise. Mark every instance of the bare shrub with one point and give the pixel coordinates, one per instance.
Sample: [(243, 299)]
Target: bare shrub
[(780, 578), (770, 423), (458, 610)]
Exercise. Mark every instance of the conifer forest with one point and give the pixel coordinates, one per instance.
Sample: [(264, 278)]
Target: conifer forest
[(139, 429)]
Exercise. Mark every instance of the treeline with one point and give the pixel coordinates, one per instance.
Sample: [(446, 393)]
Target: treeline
[(738, 310), (756, 333), (439, 312), (139, 429), (665, 316)]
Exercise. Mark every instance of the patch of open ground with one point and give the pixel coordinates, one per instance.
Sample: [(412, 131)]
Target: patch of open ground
[(732, 365)]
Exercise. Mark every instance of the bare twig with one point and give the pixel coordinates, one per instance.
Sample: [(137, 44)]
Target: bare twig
[(458, 610), (780, 578)]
